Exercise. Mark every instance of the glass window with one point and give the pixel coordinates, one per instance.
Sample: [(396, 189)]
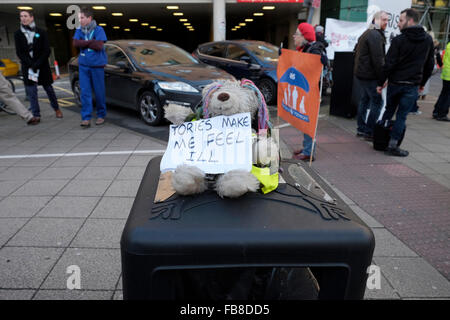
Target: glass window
[(215, 50), (148, 54), (235, 52), (114, 55), (264, 51)]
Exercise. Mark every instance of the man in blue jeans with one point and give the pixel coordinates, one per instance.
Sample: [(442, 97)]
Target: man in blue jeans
[(91, 62), (409, 64), (369, 60)]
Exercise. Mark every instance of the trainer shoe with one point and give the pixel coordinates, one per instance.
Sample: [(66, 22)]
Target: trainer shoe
[(444, 118), (59, 114), (396, 152)]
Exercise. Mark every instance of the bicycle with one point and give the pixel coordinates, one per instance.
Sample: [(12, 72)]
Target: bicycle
[(4, 107)]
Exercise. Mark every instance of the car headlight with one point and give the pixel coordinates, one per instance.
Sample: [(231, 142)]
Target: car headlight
[(177, 86)]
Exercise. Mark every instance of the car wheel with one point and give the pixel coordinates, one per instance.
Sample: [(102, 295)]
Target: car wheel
[(77, 92), (269, 90), (150, 108)]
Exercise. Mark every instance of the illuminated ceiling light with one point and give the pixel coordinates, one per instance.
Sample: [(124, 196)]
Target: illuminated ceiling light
[(116, 27), (57, 25), (102, 24), (117, 14), (258, 14), (237, 27), (234, 29), (159, 29), (24, 8), (55, 14), (242, 24), (59, 29), (178, 13), (268, 7), (144, 24), (248, 20), (183, 20), (192, 29), (133, 20), (126, 29), (172, 7), (152, 27), (187, 24), (99, 7)]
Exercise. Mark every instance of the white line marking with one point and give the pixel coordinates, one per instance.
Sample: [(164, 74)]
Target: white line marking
[(81, 154)]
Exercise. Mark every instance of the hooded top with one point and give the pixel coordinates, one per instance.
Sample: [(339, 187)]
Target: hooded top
[(410, 59)]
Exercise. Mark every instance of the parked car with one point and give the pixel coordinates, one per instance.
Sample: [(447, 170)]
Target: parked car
[(9, 68), (254, 60), (145, 75)]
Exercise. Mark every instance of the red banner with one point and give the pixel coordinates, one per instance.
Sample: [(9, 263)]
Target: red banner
[(298, 89)]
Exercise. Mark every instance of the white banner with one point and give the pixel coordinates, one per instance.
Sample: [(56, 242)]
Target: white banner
[(215, 145), (393, 8), (342, 35)]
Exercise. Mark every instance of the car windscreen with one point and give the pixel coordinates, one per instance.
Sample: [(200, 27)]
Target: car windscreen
[(264, 51), (160, 54)]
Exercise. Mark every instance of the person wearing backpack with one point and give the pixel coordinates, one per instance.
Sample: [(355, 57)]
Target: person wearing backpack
[(305, 41)]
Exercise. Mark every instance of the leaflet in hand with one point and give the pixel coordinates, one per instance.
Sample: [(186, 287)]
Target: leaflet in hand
[(33, 76)]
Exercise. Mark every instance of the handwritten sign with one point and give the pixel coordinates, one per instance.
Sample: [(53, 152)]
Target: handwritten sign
[(214, 145)]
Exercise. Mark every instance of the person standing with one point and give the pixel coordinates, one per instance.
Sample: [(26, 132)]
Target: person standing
[(8, 97), (409, 64), (89, 38), (33, 50), (305, 41), (369, 60), (441, 107)]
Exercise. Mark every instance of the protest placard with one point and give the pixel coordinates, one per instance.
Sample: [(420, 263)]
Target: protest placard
[(214, 145)]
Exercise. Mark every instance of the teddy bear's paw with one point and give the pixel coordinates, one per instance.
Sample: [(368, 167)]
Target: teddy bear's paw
[(176, 113), (265, 151), (187, 180), (236, 183)]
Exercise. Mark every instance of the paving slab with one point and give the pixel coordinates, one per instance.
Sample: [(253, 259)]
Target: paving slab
[(26, 267), (387, 245), (113, 207), (47, 232), (123, 188), (414, 278), (73, 295), (384, 292), (17, 173), (59, 173), (131, 173), (8, 187), (98, 173), (100, 233), (109, 161), (73, 161), (95, 188), (16, 294), (22, 207), (100, 269), (8, 227), (41, 188), (69, 207)]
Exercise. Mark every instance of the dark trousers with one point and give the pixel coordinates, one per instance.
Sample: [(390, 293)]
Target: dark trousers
[(32, 93), (400, 98), (370, 100), (443, 103)]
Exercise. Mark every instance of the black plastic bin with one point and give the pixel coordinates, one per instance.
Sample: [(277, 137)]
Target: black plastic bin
[(288, 228)]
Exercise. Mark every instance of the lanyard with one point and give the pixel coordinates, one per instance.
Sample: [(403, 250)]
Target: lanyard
[(90, 36)]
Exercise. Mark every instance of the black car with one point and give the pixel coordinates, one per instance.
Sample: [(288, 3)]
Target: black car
[(254, 60), (145, 75)]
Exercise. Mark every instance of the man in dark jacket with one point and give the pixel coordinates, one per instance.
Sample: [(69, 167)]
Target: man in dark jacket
[(33, 50), (409, 64), (369, 60)]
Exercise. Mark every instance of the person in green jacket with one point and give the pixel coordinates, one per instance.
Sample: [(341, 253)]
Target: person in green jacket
[(440, 111)]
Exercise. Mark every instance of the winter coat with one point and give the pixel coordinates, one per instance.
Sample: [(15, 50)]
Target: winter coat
[(370, 54), (410, 59), (41, 53)]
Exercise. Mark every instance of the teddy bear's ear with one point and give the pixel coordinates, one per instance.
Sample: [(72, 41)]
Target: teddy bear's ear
[(176, 113)]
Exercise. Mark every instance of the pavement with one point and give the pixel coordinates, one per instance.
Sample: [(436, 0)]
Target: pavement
[(66, 192)]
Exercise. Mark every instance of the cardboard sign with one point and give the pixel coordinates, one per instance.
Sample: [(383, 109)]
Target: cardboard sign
[(298, 89), (214, 145)]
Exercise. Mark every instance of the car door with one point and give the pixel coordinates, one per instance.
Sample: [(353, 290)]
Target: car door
[(240, 64), (213, 54), (121, 85)]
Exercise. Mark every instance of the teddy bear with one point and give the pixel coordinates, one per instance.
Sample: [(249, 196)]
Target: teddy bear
[(228, 97)]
